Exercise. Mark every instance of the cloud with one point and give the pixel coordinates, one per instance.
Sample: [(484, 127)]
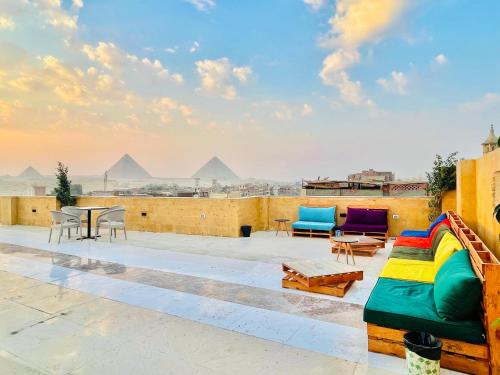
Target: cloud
[(315, 5), (396, 83), (5, 112), (488, 100), (166, 108), (202, 5), (306, 110), (78, 3), (354, 23), (217, 77), (337, 62), (440, 59), (6, 23), (359, 21), (195, 47), (115, 59), (172, 50)]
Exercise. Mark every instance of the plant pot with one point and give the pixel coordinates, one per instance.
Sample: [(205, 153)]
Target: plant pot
[(246, 230)]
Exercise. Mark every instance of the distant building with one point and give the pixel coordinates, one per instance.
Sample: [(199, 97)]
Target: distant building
[(491, 142), (38, 190), (371, 175), (76, 189)]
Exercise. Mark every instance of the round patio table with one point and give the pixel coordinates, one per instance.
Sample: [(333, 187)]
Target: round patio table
[(282, 224), (344, 243), (89, 210)]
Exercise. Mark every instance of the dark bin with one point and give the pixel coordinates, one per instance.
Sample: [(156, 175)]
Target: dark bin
[(423, 353), (246, 230)]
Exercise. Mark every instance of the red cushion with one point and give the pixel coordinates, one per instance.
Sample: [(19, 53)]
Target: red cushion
[(420, 242)]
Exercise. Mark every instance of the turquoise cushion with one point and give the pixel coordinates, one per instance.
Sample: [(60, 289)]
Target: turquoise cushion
[(315, 225), (457, 289), (317, 214)]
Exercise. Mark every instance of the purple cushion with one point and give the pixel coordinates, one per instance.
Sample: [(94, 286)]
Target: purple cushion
[(375, 217), (364, 228), (355, 215)]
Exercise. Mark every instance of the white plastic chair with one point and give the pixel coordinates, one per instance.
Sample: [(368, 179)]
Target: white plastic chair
[(75, 212), (113, 220), (63, 221)]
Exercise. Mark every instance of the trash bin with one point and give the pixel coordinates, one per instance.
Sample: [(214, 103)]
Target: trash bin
[(246, 230), (423, 353)]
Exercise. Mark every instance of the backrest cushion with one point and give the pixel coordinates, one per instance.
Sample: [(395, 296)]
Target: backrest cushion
[(355, 215), (318, 214), (457, 289), (439, 219), (448, 245), (445, 223), (375, 217)]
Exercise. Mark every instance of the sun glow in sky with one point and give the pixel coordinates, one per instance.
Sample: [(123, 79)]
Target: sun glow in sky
[(279, 89)]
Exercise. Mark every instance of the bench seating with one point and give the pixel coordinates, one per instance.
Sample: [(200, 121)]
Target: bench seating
[(456, 300), (367, 221), (314, 222)]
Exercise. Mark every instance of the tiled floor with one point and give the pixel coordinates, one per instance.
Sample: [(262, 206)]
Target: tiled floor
[(166, 303)]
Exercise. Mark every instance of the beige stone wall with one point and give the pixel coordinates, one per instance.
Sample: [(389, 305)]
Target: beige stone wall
[(478, 184), (215, 217)]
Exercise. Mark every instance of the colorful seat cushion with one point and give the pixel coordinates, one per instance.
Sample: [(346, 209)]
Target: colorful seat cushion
[(317, 214), (410, 306), (457, 289), (424, 233), (424, 242), (313, 225), (420, 267), (414, 233), (364, 228), (448, 245), (415, 253), (409, 269)]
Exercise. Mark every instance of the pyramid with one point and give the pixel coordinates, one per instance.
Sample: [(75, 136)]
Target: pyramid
[(30, 173), (127, 168), (215, 169)]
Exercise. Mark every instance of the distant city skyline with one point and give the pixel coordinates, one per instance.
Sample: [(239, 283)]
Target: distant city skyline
[(280, 89)]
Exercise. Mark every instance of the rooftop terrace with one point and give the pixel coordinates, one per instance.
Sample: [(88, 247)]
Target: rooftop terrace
[(169, 303)]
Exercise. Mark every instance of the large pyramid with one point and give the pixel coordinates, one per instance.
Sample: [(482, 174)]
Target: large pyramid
[(215, 169), (127, 168), (30, 173)]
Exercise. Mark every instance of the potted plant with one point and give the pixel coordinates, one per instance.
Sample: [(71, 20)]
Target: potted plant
[(63, 189)]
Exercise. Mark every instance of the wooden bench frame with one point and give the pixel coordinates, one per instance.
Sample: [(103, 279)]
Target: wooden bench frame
[(384, 236), (458, 355)]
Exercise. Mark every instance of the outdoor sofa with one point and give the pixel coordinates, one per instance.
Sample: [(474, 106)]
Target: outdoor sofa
[(449, 290), (314, 222), (424, 233), (367, 221)]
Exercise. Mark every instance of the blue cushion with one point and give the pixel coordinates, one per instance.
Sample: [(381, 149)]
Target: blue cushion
[(315, 225), (439, 219), (415, 233), (317, 214)]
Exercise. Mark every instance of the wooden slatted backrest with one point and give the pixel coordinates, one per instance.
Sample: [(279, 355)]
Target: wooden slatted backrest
[(487, 268)]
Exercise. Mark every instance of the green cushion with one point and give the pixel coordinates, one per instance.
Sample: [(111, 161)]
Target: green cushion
[(457, 289), (407, 252), (441, 231), (409, 305)]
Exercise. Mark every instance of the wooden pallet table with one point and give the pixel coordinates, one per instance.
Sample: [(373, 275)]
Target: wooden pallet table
[(323, 276), (366, 246)]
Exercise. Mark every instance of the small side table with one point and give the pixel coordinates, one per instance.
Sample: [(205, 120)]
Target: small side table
[(282, 225), (344, 243)]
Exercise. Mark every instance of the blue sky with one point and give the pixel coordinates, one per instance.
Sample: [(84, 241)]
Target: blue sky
[(279, 89)]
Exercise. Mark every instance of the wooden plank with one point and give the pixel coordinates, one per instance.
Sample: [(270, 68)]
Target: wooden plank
[(320, 267), (450, 361), (338, 290), (491, 300), (452, 346)]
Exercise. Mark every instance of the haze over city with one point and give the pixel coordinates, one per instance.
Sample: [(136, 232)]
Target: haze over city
[(278, 89)]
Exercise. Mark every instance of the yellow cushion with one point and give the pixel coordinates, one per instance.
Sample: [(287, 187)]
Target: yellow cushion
[(421, 270), (409, 269), (448, 245)]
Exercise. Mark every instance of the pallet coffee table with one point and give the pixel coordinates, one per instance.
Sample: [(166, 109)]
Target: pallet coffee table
[(365, 246), (325, 276)]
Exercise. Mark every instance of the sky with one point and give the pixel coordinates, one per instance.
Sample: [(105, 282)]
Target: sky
[(278, 89)]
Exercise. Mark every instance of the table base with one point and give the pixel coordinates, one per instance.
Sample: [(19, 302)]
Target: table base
[(337, 290)]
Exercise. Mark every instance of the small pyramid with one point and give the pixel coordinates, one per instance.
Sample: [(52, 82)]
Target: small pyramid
[(215, 169), (127, 168), (30, 173)]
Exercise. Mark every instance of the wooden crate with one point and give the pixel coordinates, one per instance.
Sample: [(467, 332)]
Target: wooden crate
[(311, 233)]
